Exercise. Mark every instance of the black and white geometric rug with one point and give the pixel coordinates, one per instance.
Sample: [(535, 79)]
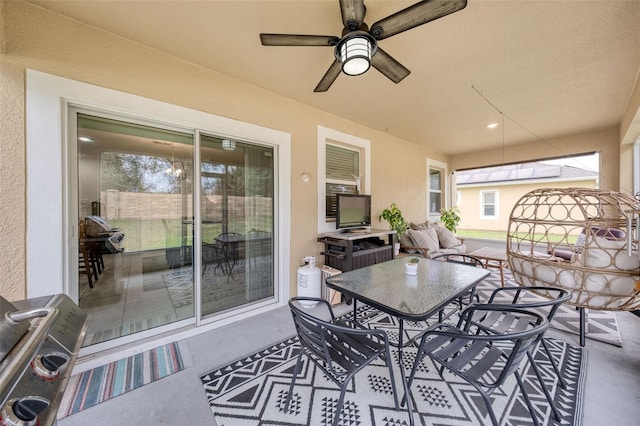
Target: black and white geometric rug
[(252, 390)]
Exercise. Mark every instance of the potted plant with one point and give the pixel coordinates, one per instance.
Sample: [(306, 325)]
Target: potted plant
[(411, 267), (393, 215), (451, 218)]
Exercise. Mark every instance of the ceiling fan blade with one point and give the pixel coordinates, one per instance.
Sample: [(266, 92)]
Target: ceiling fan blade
[(353, 12), (329, 77), (413, 16), (388, 66), (298, 40)]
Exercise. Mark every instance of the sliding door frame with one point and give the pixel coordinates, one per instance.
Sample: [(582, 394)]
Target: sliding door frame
[(49, 99)]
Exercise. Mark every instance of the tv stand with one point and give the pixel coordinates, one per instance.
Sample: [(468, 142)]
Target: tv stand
[(360, 230), (347, 251)]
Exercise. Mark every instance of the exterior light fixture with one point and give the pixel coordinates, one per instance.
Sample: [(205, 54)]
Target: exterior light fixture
[(492, 125), (229, 145), (355, 51)]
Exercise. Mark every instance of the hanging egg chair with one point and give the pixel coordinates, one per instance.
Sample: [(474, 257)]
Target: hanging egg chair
[(584, 240)]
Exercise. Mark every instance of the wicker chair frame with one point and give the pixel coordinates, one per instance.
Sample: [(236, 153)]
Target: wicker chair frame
[(584, 240)]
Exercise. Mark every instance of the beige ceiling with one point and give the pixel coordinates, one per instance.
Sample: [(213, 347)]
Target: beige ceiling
[(552, 67)]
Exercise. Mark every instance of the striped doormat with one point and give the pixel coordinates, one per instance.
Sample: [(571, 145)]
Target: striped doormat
[(94, 386)]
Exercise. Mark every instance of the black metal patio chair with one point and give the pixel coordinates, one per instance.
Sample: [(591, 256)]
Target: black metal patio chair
[(212, 254), (336, 348), (483, 360), (463, 259), (545, 301)]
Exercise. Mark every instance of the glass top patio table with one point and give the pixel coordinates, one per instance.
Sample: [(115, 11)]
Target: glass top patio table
[(387, 287)]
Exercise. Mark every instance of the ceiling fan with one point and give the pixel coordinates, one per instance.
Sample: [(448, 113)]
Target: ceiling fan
[(358, 48)]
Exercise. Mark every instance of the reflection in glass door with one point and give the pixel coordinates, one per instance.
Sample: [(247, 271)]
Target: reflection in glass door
[(237, 223), (135, 186)]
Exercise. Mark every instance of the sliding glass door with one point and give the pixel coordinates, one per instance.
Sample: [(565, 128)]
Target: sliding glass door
[(138, 227), (237, 213)]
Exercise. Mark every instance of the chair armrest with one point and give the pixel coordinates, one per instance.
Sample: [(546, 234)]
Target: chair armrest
[(515, 295)]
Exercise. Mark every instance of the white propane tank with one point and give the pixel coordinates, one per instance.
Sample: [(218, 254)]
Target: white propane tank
[(309, 281)]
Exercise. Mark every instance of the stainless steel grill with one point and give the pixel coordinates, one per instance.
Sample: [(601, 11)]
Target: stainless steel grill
[(39, 343)]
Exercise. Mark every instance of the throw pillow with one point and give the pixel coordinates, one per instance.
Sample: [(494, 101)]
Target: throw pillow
[(419, 226), (425, 238), (447, 238), (406, 241)]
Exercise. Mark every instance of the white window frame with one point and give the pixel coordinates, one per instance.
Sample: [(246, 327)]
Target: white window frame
[(51, 231), (328, 136), (444, 189), (496, 203), (636, 166)]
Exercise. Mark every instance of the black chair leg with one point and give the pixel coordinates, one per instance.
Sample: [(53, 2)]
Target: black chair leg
[(552, 404), (296, 371), (393, 381), (563, 382), (343, 389), (526, 399), (583, 326)]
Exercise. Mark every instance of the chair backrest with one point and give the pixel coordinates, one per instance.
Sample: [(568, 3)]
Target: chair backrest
[(211, 252), (519, 326), (542, 299), (311, 331), (342, 349), (463, 259)]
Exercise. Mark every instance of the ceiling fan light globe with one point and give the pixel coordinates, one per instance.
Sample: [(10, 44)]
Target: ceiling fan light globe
[(355, 55), (356, 66)]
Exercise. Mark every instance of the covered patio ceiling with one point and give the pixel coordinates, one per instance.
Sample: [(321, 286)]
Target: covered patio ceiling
[(553, 68)]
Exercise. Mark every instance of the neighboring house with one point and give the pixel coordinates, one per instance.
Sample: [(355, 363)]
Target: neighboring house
[(486, 196)]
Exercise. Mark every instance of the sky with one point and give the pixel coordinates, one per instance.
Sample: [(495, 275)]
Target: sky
[(588, 162)]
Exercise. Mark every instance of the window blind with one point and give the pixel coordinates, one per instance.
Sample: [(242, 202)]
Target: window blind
[(342, 164)]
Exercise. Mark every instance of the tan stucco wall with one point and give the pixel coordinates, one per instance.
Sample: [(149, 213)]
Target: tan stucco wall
[(39, 40), (508, 195), (630, 123), (604, 141)]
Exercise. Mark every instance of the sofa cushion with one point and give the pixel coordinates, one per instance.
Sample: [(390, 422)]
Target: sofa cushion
[(426, 238), (406, 241), (446, 237), (460, 249), (610, 254)]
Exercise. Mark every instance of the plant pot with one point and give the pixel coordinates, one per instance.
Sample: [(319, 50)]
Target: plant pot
[(411, 268), (396, 249)]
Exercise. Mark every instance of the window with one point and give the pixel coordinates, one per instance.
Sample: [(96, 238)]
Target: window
[(489, 200), (343, 167), (437, 184), (342, 175)]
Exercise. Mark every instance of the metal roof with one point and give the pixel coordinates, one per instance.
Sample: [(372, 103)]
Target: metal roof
[(522, 172)]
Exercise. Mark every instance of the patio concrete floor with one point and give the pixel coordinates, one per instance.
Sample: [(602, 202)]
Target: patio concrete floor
[(612, 394)]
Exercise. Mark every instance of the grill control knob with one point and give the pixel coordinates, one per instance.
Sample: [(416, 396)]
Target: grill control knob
[(47, 367), (23, 411)]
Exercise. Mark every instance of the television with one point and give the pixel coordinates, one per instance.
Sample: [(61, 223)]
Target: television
[(353, 211)]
